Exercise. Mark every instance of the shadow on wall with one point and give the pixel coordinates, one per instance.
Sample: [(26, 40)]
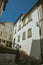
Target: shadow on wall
[(35, 49)]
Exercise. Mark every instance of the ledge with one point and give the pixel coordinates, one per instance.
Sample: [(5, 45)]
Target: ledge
[(7, 50)]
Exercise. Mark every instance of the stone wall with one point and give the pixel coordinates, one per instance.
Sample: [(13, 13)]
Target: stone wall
[(7, 59)]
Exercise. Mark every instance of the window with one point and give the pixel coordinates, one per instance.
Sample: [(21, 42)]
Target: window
[(15, 31), (9, 44), (28, 19), (0, 40), (29, 33), (23, 36), (0, 33), (3, 41), (5, 34), (14, 40), (24, 23), (9, 36), (18, 38), (19, 27)]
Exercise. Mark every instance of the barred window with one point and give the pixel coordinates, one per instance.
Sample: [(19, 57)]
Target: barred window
[(29, 33)]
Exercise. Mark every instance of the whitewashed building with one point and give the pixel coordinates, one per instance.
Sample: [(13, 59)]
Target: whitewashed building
[(27, 31)]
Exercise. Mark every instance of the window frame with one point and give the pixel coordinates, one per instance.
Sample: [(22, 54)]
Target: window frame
[(29, 33), (24, 36), (18, 38)]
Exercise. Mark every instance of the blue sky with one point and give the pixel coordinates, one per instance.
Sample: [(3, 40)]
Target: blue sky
[(15, 8)]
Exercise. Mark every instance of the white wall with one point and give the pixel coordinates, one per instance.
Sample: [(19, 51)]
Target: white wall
[(35, 28), (27, 43)]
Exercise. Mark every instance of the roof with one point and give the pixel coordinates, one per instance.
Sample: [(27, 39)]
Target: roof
[(33, 8), (3, 23), (22, 15)]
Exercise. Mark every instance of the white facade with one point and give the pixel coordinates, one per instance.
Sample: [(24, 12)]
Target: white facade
[(26, 45)]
